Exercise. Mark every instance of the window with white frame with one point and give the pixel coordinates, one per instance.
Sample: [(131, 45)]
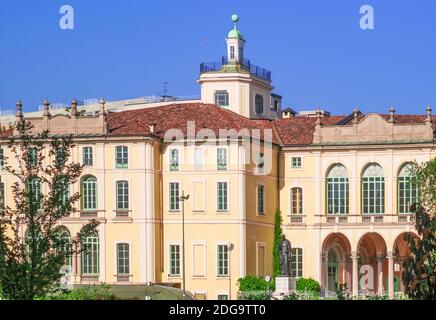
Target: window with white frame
[(296, 201), (222, 159), (222, 98), (91, 255), (373, 190), (121, 157), (174, 260), (337, 190), (408, 192), (174, 160), (35, 193), (89, 193), (174, 196), (296, 163), (223, 260), (223, 297), (88, 157), (122, 195), (297, 262), (261, 199), (222, 196), (123, 263), (64, 238)]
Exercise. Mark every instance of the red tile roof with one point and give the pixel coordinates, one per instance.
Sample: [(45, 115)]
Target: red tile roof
[(176, 116), (299, 130)]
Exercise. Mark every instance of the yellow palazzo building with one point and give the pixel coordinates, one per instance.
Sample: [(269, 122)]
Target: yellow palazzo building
[(216, 171)]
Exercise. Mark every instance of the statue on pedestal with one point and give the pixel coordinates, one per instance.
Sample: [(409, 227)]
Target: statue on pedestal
[(285, 252)]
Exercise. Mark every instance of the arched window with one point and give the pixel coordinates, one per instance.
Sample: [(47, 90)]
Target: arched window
[(296, 201), (337, 190), (89, 193), (373, 190), (64, 238), (222, 98), (90, 255), (258, 104), (408, 193)]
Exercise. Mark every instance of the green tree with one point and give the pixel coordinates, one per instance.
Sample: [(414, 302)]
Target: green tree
[(419, 276), (277, 239), (32, 252)]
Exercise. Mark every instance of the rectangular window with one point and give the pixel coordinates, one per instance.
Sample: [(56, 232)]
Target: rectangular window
[(296, 162), (373, 190), (297, 262), (222, 98), (296, 201), (2, 159), (198, 161), (260, 163), (90, 256), (122, 195), (2, 195), (223, 260), (222, 159), (408, 194), (261, 199), (32, 157), (121, 157), (223, 297), (123, 263), (174, 160), (222, 196), (88, 159), (175, 260), (174, 196), (232, 52)]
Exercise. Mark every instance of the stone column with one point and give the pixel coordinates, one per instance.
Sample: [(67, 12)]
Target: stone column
[(391, 288), (379, 275), (355, 259), (324, 270)]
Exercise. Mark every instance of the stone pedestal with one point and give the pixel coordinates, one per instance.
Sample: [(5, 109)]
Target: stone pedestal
[(284, 287)]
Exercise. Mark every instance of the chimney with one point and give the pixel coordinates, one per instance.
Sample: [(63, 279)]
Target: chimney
[(152, 127), (356, 115), (74, 108), (101, 116), (19, 114), (392, 115), (428, 119), (46, 114), (318, 117)]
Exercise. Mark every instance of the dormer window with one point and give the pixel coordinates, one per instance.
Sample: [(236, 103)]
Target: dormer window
[(222, 98), (259, 104)]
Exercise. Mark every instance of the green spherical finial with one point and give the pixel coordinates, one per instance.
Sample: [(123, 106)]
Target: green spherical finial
[(235, 18)]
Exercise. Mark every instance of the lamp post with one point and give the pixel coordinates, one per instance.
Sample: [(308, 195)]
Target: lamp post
[(183, 198)]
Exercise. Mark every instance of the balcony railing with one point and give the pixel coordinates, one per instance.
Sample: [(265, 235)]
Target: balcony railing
[(245, 64), (366, 219)]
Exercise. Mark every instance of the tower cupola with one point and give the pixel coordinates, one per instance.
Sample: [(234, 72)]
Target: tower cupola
[(235, 43)]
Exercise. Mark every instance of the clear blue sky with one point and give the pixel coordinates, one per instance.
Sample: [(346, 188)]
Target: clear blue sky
[(317, 53)]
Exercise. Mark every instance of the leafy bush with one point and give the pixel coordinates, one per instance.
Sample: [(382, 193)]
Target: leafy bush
[(86, 293), (310, 285), (254, 288)]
